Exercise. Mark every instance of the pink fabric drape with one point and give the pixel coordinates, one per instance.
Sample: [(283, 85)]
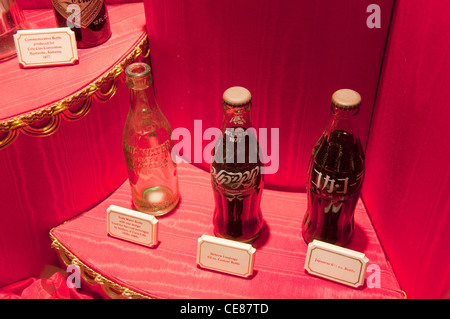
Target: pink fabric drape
[(54, 287), (291, 55), (408, 173), (47, 180)]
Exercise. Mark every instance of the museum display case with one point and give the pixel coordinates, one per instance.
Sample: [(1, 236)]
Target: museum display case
[(63, 164)]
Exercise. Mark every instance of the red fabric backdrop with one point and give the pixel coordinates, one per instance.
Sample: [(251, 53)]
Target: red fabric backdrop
[(45, 181), (291, 55), (408, 174)]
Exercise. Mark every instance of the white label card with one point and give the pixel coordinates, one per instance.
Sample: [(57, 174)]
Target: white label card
[(46, 47), (132, 226), (225, 255), (336, 263)]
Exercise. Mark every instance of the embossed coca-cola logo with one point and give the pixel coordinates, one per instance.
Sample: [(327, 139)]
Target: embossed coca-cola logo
[(236, 180)]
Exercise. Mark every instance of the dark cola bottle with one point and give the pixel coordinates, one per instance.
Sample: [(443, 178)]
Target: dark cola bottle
[(87, 18), (236, 171), (335, 174)]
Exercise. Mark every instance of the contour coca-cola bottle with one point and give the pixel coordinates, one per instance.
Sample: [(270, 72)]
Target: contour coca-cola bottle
[(87, 18), (236, 174), (335, 174)]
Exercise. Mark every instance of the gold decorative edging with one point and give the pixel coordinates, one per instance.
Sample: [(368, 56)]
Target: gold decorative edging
[(90, 276), (111, 288), (45, 121)]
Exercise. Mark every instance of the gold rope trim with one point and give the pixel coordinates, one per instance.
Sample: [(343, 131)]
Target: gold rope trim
[(111, 288), (81, 95), (7, 138), (403, 294)]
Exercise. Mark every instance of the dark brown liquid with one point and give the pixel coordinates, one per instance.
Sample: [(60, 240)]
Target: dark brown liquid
[(335, 176), (96, 33), (237, 192)]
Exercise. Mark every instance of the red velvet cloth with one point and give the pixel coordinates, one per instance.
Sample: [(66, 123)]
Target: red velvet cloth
[(48, 180), (54, 287), (408, 172), (169, 270), (291, 55)]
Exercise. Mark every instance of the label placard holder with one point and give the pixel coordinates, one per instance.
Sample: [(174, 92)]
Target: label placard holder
[(224, 255), (46, 47), (336, 263), (132, 226)]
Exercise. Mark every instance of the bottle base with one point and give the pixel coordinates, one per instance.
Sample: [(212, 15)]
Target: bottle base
[(245, 241), (157, 201), (344, 243), (161, 212)]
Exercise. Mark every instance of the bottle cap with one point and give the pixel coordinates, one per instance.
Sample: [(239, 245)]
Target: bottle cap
[(237, 96), (346, 99)]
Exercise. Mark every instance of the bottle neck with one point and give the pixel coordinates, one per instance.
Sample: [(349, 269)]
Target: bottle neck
[(236, 116), (142, 97), (343, 120)]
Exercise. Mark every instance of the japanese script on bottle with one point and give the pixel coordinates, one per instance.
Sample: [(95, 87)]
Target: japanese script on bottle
[(334, 185)]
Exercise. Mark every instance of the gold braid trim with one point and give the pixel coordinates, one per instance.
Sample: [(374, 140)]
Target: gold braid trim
[(111, 288), (82, 97)]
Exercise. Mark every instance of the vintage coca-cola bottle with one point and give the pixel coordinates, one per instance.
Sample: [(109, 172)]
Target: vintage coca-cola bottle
[(87, 18), (148, 145), (335, 174), (236, 171)]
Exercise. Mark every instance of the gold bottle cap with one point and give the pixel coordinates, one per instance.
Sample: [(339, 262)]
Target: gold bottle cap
[(346, 99), (237, 96)]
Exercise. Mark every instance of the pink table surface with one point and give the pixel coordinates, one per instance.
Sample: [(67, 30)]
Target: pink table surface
[(169, 270)]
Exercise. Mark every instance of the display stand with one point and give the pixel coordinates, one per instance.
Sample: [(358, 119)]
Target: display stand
[(121, 269), (34, 100)]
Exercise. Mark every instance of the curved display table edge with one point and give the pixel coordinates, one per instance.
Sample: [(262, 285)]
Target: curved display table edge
[(45, 120), (10, 128), (105, 286), (109, 287), (77, 240)]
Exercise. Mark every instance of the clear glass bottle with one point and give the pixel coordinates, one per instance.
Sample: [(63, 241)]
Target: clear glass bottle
[(236, 173), (335, 174), (148, 145)]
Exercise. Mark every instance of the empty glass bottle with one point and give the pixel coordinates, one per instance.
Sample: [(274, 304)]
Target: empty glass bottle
[(148, 144), (335, 174)]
